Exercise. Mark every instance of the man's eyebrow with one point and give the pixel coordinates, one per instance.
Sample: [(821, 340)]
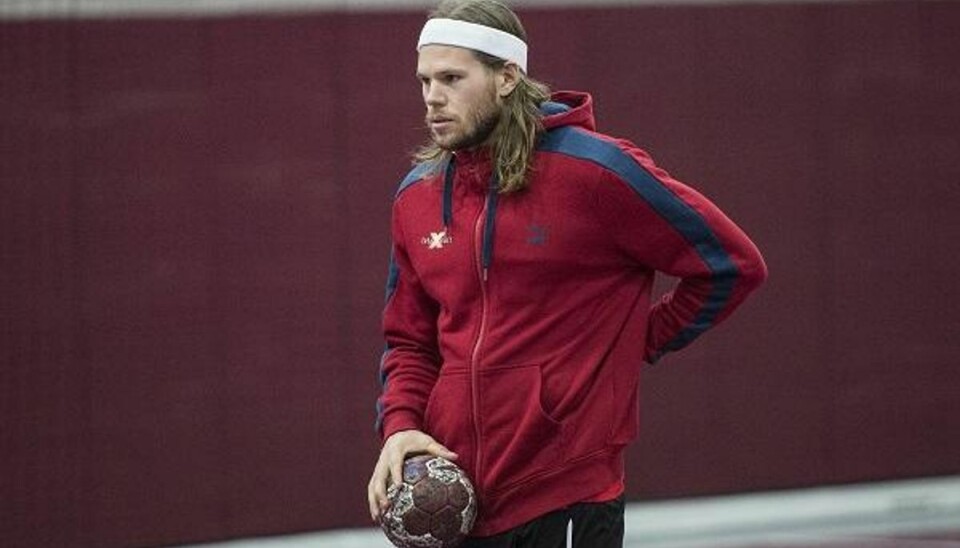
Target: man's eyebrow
[(441, 72)]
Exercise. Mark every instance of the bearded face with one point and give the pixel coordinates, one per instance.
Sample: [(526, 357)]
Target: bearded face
[(460, 96)]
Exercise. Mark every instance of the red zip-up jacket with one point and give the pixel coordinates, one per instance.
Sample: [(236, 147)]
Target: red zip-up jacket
[(516, 324)]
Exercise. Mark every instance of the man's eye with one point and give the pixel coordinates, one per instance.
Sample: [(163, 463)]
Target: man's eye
[(451, 78)]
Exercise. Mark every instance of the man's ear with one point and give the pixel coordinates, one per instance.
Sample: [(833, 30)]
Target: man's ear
[(507, 79)]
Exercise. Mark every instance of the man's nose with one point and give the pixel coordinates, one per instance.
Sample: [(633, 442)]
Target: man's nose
[(432, 95)]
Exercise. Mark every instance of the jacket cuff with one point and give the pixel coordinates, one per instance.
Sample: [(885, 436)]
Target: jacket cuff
[(397, 422)]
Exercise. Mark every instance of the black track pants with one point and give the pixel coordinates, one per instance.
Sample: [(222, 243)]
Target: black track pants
[(595, 525)]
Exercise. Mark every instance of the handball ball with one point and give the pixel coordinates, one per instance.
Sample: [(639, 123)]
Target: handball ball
[(434, 507)]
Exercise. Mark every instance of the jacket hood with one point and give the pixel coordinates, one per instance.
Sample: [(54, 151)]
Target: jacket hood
[(569, 108), (565, 108)]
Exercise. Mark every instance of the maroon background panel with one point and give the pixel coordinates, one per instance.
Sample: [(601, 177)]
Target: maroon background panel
[(193, 229)]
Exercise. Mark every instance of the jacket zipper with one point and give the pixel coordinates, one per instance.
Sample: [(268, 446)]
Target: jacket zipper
[(474, 375)]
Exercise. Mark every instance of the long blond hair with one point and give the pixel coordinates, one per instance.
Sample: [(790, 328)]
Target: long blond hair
[(515, 137)]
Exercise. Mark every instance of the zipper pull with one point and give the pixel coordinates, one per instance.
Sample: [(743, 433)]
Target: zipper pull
[(485, 274)]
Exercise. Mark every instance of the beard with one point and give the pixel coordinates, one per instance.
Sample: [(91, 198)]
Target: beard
[(485, 119)]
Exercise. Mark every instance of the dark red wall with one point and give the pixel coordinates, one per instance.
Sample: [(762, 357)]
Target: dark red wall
[(193, 233)]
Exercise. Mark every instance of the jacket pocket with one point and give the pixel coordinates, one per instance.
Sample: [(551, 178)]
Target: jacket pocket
[(447, 416), (519, 439)]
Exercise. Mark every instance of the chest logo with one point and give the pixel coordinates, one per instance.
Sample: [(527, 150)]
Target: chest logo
[(537, 235), (436, 240)]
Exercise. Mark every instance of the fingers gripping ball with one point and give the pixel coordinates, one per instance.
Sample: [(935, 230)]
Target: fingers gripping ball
[(434, 507)]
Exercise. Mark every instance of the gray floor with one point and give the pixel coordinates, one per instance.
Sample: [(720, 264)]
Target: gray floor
[(908, 514)]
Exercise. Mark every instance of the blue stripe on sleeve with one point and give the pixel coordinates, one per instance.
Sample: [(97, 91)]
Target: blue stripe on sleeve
[(684, 218), (393, 277), (418, 172), (378, 424)]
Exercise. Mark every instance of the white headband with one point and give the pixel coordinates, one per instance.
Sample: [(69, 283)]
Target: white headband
[(451, 32)]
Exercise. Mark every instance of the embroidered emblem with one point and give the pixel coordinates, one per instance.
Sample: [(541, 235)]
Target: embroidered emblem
[(536, 235), (436, 240)]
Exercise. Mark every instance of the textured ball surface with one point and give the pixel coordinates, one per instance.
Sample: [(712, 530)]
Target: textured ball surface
[(434, 507)]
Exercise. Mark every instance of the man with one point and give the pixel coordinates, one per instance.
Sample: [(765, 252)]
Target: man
[(519, 298)]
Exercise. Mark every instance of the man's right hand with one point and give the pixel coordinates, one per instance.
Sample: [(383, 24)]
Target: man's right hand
[(389, 466)]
